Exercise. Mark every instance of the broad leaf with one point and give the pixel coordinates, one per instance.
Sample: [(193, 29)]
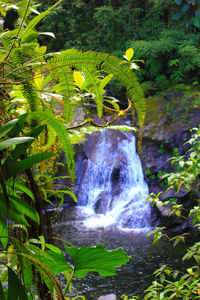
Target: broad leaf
[(129, 54), (55, 261), (3, 233), (96, 259), (20, 149), (20, 187), (15, 288), (24, 208), (2, 297), (78, 79), (14, 132), (14, 141), (7, 127), (18, 167)]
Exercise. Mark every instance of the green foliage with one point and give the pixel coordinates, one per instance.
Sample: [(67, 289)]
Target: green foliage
[(172, 284), (42, 91), (158, 31)]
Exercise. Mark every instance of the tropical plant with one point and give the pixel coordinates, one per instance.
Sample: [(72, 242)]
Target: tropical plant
[(174, 284), (39, 93)]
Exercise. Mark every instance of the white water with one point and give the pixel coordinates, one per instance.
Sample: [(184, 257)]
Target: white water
[(113, 191)]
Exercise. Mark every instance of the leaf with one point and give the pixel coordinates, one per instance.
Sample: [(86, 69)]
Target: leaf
[(14, 132), (176, 16), (78, 78), (197, 258), (24, 208), (196, 22), (31, 25), (185, 8), (96, 259), (15, 288), (14, 141), (47, 33), (129, 54), (60, 130), (105, 81), (55, 261), (64, 192), (178, 2), (4, 129), (2, 297), (3, 233), (21, 187), (26, 163)]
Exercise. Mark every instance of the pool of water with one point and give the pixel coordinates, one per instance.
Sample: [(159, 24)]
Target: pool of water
[(131, 279)]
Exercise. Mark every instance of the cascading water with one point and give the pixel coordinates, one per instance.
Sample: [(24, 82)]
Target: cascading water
[(113, 190)]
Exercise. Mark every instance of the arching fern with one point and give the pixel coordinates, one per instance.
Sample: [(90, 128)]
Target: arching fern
[(106, 63)]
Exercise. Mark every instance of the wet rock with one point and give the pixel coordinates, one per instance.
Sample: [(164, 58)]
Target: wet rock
[(108, 297), (101, 203)]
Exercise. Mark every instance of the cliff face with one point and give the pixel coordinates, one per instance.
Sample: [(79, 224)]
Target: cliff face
[(170, 118)]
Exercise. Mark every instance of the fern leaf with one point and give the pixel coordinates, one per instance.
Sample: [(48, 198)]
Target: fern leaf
[(111, 65), (60, 130), (31, 96), (65, 86), (92, 78)]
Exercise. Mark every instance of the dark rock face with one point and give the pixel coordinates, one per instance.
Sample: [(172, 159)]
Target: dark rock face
[(164, 136)]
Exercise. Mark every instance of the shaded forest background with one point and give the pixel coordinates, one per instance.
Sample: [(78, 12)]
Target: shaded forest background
[(165, 34)]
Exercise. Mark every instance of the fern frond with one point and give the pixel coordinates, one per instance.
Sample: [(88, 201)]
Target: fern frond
[(109, 64), (23, 10), (91, 77), (62, 133), (90, 129), (30, 95), (64, 87)]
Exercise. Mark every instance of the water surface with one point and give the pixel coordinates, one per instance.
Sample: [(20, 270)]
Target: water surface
[(131, 279)]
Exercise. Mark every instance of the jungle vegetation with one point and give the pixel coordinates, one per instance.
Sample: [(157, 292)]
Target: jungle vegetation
[(42, 81)]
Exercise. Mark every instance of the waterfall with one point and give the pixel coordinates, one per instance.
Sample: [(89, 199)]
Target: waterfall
[(113, 190)]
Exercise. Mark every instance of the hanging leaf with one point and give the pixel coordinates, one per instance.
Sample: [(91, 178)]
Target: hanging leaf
[(24, 208), (3, 233), (129, 54), (20, 187), (2, 297), (96, 259), (15, 288)]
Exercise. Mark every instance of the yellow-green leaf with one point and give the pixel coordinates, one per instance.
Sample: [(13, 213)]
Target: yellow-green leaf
[(129, 54), (78, 78)]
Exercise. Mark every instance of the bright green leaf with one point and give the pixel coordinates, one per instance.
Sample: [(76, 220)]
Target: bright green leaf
[(4, 129), (55, 261), (24, 208), (96, 259), (14, 141), (3, 233)]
